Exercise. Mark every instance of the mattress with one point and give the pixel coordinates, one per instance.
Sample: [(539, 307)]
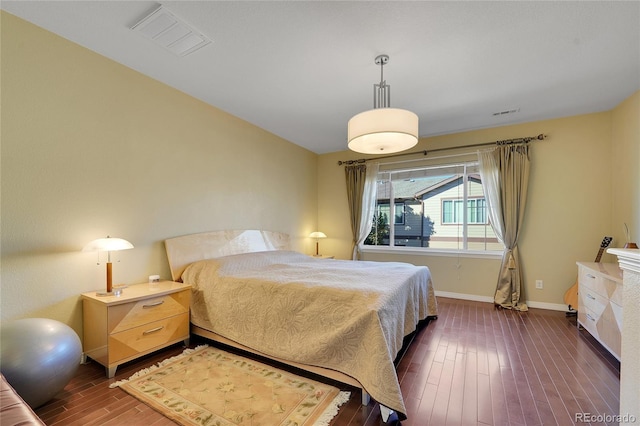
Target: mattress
[(349, 316)]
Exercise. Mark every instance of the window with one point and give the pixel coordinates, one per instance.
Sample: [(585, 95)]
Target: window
[(452, 212), (398, 218), (435, 207), (477, 211)]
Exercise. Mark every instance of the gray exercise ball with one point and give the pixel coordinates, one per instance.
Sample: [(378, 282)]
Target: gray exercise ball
[(38, 357)]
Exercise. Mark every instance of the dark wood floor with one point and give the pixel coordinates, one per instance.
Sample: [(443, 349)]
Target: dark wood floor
[(474, 365)]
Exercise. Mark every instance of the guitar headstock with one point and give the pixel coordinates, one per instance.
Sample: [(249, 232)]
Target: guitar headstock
[(606, 242)]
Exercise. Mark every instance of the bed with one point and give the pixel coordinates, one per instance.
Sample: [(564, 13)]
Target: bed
[(340, 319)]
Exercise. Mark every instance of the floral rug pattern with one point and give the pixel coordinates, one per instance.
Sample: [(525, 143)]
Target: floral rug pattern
[(208, 386)]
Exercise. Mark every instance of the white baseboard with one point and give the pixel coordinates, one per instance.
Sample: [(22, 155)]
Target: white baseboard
[(473, 297), (478, 298), (549, 306)]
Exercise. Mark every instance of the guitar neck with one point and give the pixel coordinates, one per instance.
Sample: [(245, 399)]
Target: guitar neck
[(599, 256), (606, 241)]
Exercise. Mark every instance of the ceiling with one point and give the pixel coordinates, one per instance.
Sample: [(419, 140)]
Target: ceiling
[(301, 69)]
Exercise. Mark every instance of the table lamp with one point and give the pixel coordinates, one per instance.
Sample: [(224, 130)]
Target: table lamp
[(108, 244), (317, 235)]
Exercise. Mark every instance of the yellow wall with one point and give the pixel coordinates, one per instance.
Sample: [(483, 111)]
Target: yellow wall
[(583, 185), (625, 184), (91, 148)]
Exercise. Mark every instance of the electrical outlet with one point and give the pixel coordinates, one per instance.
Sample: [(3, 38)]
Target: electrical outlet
[(539, 284)]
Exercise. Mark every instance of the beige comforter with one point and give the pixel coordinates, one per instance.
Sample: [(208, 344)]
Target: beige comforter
[(338, 314)]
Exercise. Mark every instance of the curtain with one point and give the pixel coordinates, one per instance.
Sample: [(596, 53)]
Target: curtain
[(361, 196), (504, 171)]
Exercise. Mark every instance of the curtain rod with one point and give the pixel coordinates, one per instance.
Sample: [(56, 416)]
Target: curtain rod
[(527, 139)]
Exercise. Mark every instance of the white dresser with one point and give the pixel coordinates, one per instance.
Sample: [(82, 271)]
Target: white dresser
[(600, 303)]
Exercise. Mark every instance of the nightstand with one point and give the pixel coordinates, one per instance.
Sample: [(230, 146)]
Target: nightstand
[(143, 319)]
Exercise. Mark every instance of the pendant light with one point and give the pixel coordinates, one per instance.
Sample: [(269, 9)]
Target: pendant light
[(382, 130)]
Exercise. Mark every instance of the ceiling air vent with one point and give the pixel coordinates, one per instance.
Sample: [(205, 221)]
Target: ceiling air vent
[(171, 32), (506, 112)]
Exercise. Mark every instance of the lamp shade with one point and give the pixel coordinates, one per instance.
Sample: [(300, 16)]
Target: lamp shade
[(317, 234), (382, 131), (108, 244)]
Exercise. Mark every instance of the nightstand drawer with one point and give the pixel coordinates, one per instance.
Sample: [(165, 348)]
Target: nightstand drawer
[(128, 315), (138, 340)]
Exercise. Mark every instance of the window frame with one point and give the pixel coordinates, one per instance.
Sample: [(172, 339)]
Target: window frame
[(391, 248)]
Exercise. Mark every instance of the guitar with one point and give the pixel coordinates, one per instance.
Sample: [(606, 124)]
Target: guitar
[(571, 295)]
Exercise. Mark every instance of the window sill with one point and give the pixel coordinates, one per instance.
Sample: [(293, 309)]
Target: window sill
[(432, 252)]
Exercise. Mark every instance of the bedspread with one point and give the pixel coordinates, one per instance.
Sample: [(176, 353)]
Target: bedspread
[(339, 314)]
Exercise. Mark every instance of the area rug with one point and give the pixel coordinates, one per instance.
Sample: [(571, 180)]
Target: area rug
[(208, 386)]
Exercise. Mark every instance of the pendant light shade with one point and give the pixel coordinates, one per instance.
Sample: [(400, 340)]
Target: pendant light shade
[(382, 130)]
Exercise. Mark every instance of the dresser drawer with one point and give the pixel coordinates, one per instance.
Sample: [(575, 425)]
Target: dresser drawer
[(588, 279), (599, 282), (144, 338), (591, 300), (129, 315), (589, 321)]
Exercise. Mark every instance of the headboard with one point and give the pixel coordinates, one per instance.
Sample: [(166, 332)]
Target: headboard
[(182, 251)]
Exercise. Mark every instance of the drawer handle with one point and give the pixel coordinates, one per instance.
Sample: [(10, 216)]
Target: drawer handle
[(593, 277), (153, 330), (151, 305), (590, 296), (590, 317)]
